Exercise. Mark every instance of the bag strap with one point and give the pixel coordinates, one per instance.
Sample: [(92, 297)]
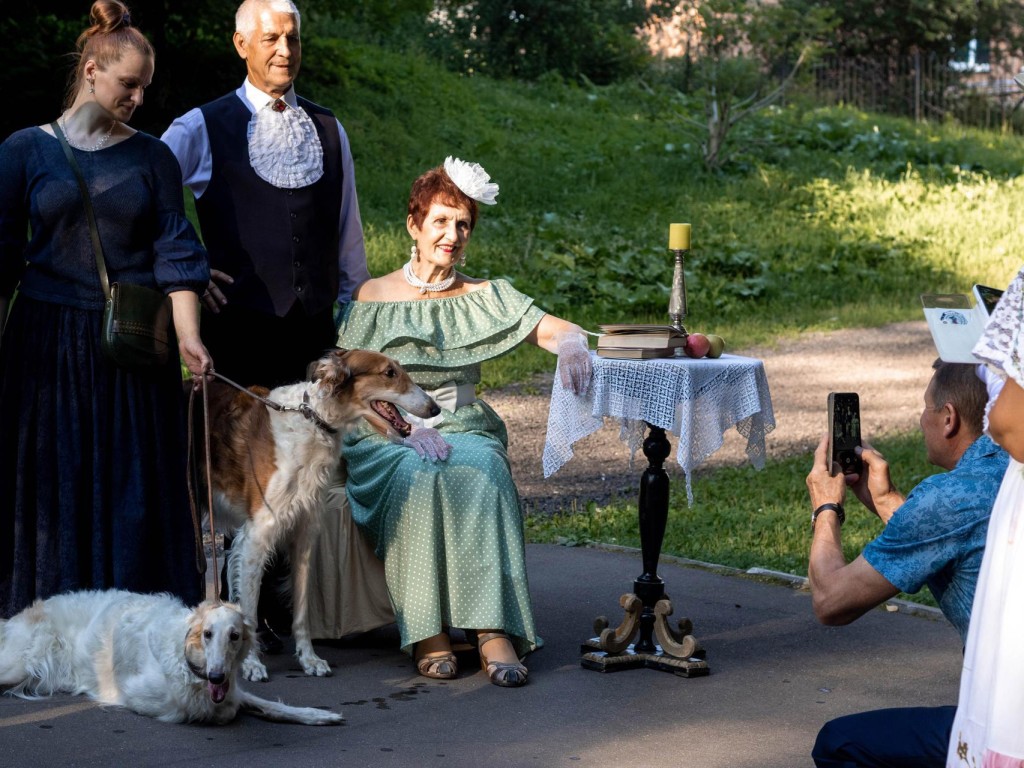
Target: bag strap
[(97, 246)]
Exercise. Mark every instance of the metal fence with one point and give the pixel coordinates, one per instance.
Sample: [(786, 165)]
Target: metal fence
[(925, 88)]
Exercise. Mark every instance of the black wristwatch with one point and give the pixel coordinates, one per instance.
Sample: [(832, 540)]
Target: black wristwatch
[(835, 507)]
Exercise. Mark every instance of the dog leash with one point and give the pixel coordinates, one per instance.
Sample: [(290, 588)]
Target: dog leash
[(191, 474), (304, 408)]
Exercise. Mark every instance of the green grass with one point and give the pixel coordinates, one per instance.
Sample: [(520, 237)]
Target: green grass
[(741, 517)]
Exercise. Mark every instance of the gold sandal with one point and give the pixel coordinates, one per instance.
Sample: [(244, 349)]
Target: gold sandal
[(441, 665), (507, 674)]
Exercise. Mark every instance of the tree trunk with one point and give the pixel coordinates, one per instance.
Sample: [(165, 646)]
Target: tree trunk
[(718, 129)]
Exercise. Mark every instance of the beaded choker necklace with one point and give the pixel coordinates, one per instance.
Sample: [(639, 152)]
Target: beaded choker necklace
[(415, 282), (99, 144)]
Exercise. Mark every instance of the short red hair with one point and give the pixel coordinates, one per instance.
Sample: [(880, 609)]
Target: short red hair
[(436, 186)]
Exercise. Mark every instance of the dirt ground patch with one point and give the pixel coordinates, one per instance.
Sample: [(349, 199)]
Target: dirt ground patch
[(889, 367)]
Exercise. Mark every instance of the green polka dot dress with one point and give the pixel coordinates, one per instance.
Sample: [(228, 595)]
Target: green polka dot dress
[(450, 533)]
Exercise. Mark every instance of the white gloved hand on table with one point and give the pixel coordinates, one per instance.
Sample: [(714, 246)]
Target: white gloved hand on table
[(574, 362)]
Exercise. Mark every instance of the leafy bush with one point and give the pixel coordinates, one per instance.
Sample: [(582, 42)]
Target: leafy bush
[(528, 39)]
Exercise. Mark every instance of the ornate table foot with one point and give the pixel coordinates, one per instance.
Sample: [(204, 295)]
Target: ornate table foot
[(617, 640), (647, 606), (611, 650)]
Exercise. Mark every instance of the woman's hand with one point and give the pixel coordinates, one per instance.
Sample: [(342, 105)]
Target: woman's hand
[(569, 342), (428, 443), (197, 358), (185, 305), (573, 361)]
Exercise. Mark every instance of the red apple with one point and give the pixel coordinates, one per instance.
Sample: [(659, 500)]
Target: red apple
[(697, 345)]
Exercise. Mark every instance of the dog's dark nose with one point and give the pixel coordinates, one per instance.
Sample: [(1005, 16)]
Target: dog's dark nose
[(434, 409), (216, 677)]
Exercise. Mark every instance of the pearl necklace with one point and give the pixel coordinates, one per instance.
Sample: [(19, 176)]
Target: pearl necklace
[(415, 282), (98, 145)]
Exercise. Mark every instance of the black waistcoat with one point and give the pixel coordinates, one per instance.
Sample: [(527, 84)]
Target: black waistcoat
[(280, 245)]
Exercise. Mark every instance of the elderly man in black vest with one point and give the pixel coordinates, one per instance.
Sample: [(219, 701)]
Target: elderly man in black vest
[(275, 192), (276, 196)]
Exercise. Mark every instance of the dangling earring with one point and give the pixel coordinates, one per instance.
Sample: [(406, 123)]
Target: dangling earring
[(462, 259), (413, 252), (92, 86)]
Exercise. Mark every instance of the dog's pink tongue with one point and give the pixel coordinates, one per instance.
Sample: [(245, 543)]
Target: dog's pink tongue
[(218, 692)]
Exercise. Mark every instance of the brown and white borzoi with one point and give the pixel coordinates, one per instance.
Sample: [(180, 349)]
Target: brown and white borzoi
[(271, 468), (148, 653)]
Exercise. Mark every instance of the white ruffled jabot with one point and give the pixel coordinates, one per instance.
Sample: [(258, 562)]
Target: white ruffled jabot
[(284, 147)]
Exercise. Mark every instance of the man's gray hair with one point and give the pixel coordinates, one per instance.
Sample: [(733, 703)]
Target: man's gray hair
[(247, 15)]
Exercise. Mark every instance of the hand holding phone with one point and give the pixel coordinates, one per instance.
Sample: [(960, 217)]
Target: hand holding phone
[(844, 432)]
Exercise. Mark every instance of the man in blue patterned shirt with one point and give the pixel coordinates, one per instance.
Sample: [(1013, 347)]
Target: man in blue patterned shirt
[(934, 536)]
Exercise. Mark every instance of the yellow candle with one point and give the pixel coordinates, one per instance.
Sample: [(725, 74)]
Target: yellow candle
[(678, 237)]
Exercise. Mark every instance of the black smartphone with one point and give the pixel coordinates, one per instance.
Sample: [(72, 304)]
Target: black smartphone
[(987, 297), (844, 432)]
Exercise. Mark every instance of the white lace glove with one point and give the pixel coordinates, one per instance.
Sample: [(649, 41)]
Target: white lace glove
[(574, 362), (428, 443)]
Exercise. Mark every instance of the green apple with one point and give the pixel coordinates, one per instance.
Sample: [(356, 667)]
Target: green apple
[(716, 345)]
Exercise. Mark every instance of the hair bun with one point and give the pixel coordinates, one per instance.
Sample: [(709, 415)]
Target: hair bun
[(108, 16)]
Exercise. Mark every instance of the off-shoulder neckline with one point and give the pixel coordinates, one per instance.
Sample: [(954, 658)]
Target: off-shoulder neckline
[(488, 286)]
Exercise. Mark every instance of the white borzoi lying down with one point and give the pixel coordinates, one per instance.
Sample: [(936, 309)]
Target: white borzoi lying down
[(149, 653), (270, 470)]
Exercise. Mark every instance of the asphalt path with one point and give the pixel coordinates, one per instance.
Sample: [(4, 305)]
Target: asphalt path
[(775, 676)]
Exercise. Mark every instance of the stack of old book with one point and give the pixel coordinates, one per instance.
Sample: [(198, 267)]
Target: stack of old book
[(639, 342)]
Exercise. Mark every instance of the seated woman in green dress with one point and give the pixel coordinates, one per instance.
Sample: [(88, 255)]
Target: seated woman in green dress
[(441, 509)]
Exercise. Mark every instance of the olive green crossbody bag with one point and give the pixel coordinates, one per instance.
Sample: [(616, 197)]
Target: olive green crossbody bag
[(136, 319)]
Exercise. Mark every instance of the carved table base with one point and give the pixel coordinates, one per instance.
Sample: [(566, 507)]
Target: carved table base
[(677, 650), (647, 607)]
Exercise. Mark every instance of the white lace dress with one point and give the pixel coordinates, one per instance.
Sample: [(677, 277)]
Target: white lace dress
[(987, 732)]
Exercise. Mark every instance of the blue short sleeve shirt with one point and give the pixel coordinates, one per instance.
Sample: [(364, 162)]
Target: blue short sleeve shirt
[(937, 537)]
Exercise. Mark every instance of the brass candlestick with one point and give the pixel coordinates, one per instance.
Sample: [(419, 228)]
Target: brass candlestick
[(679, 244), (677, 299)]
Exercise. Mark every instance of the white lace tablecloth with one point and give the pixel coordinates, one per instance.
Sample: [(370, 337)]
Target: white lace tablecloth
[(696, 400)]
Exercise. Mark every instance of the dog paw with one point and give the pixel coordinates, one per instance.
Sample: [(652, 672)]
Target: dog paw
[(323, 717), (254, 670), (314, 666)]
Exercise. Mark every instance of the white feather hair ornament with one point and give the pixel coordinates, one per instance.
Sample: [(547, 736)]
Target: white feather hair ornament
[(472, 179)]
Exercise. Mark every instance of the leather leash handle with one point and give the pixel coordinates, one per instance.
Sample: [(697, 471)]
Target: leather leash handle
[(192, 473), (209, 492), (192, 480)]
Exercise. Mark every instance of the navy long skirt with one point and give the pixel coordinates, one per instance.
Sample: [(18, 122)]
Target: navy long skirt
[(93, 492)]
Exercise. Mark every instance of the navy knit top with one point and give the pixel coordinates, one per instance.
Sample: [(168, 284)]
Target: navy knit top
[(136, 193)]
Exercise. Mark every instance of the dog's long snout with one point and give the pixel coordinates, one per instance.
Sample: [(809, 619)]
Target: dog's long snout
[(418, 403)]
